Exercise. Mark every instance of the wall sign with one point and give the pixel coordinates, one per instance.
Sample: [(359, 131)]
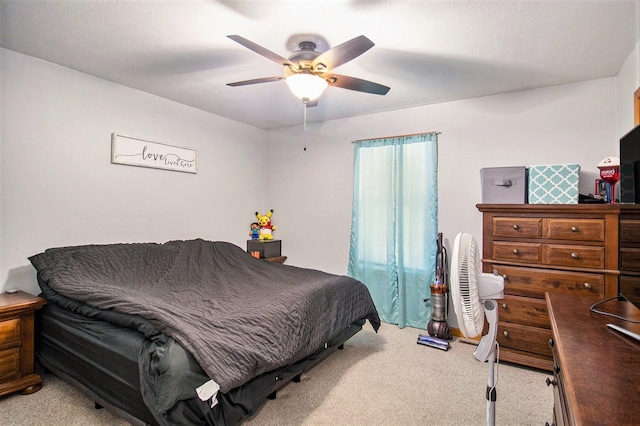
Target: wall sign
[(139, 152)]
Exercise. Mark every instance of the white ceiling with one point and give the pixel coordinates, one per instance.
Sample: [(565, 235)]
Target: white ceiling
[(426, 51)]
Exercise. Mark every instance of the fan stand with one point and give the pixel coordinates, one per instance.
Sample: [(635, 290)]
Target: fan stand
[(491, 392), (486, 351)]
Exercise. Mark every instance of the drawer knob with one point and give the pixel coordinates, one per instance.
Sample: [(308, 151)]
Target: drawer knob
[(550, 382), (516, 227), (587, 286), (574, 255), (504, 306), (505, 277), (516, 251), (551, 343), (574, 229), (505, 333)]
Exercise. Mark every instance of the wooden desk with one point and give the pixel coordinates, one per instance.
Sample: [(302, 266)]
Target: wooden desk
[(596, 369)]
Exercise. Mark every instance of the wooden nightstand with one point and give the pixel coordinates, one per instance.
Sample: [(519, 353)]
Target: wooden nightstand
[(17, 313), (275, 259)]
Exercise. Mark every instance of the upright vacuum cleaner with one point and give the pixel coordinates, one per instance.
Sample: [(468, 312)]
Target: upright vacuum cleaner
[(438, 329)]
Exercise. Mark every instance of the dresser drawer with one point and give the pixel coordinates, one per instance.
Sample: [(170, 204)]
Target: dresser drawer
[(630, 287), (630, 259), (534, 282), (574, 229), (629, 231), (9, 333), (516, 252), (9, 364), (517, 227), (523, 310), (574, 256), (560, 406), (524, 338)]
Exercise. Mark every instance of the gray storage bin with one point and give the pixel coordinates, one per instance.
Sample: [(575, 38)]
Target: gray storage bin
[(504, 185)]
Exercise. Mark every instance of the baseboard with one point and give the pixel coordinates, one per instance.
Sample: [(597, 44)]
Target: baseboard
[(457, 333)]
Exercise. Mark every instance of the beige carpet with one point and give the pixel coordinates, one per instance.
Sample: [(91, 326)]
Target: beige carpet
[(378, 379)]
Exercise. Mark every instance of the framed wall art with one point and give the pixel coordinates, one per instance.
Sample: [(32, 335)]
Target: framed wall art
[(143, 153)]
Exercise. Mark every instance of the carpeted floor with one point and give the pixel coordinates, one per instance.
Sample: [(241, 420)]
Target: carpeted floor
[(378, 379)]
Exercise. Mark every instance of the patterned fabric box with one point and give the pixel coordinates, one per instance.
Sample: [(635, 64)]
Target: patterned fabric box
[(554, 184)]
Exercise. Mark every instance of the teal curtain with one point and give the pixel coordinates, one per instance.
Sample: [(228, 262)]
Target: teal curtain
[(394, 224)]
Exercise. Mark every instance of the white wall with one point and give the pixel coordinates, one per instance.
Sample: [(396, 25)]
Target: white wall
[(59, 187), (311, 191), (627, 82)]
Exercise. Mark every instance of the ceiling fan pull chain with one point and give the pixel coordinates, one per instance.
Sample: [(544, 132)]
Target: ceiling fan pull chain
[(305, 124)]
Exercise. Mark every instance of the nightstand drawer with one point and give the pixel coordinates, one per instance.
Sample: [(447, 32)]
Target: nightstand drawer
[(524, 338), (516, 252), (534, 282), (575, 229), (9, 364), (9, 333), (574, 256), (523, 310), (517, 227), (17, 322)]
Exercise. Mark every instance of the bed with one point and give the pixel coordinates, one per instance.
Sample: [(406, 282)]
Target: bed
[(188, 332)]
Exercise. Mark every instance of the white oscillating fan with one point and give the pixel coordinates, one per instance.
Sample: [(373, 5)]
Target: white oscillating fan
[(473, 293)]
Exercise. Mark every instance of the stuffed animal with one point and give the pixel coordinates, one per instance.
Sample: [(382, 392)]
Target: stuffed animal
[(264, 221)]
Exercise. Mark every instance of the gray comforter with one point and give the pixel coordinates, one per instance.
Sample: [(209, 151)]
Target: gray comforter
[(238, 316)]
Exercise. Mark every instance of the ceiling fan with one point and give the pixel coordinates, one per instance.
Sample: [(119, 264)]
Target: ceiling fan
[(308, 72)]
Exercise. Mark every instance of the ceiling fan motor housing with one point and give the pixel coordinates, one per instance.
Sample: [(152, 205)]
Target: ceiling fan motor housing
[(304, 57)]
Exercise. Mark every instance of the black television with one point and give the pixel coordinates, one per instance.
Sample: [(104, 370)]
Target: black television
[(629, 281), (630, 167)]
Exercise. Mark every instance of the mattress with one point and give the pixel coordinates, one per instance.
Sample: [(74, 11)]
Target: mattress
[(101, 359)]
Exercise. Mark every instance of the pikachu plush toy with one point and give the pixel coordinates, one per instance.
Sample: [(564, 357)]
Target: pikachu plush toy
[(266, 228)]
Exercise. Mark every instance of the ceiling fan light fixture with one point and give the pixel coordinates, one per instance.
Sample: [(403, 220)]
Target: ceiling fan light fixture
[(306, 86)]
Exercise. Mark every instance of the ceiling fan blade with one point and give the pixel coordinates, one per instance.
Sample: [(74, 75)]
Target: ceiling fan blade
[(255, 81), (342, 53), (357, 84), (263, 51)]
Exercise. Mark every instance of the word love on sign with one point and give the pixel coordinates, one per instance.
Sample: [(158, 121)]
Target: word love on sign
[(138, 152)]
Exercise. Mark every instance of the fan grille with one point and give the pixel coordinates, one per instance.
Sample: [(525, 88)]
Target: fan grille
[(468, 267)]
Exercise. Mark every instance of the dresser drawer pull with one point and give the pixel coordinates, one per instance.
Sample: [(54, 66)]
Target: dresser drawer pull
[(504, 306), (516, 251), (574, 229), (551, 382), (574, 255), (516, 227), (505, 333), (587, 286), (505, 277), (551, 343)]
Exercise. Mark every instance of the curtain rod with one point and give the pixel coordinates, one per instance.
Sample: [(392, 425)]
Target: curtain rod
[(397, 136)]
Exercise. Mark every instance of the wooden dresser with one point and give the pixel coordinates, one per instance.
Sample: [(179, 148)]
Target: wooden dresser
[(566, 249), (630, 251), (595, 376), (16, 343)]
